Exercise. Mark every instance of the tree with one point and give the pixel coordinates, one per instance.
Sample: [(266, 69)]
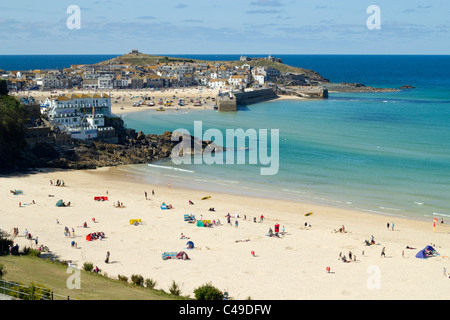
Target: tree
[(3, 88), (208, 292), (12, 130)]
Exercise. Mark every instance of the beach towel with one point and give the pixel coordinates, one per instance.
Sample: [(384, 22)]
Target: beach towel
[(205, 198), (137, 221), (169, 255)]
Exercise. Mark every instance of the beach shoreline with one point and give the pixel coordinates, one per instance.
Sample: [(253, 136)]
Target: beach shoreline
[(120, 107), (292, 266)]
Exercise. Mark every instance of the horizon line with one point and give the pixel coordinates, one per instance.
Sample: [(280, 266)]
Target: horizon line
[(229, 54)]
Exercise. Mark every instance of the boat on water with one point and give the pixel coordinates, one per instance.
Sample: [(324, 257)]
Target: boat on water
[(160, 109)]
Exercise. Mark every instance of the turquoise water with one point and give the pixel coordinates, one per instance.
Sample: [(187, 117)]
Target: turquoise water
[(381, 152)]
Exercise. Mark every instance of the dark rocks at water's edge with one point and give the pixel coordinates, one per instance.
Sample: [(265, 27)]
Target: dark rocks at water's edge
[(132, 148), (355, 87), (407, 86), (140, 148)]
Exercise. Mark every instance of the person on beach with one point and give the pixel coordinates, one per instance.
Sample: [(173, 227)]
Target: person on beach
[(145, 192), (392, 226), (387, 225), (383, 254), (107, 257)]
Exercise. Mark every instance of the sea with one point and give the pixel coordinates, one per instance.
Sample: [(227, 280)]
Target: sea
[(386, 153)]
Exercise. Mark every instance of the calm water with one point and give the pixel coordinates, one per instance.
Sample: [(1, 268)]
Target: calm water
[(383, 152)]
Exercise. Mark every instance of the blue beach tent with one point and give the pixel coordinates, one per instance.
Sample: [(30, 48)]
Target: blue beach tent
[(190, 245), (426, 252)]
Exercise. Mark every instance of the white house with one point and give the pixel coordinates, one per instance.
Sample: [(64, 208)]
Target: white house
[(81, 115), (260, 78), (217, 83), (238, 80)]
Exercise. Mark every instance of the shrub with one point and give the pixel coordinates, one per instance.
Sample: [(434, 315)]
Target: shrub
[(88, 266), (4, 245), (32, 252), (137, 279), (150, 283), (208, 292), (122, 278), (2, 271), (175, 289), (32, 292)]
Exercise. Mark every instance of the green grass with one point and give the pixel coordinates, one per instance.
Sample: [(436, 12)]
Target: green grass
[(53, 275)]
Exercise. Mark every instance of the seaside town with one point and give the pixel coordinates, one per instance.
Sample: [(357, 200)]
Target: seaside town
[(159, 75), (74, 101)]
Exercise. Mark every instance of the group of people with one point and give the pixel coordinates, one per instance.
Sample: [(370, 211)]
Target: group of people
[(67, 232), (97, 235), (145, 193), (57, 182), (118, 204), (28, 236), (351, 257)]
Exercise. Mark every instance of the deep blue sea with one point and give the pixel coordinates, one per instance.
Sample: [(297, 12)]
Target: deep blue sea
[(387, 153)]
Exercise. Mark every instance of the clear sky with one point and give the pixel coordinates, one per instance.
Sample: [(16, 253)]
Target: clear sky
[(225, 27)]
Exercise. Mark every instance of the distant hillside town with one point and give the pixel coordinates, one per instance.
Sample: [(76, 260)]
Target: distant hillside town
[(160, 73)]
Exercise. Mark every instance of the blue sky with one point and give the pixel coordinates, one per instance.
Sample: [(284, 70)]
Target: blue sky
[(225, 27)]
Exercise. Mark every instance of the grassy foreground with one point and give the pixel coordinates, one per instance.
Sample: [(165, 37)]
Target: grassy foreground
[(28, 269)]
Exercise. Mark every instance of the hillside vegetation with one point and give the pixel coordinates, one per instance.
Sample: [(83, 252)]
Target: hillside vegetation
[(147, 59)]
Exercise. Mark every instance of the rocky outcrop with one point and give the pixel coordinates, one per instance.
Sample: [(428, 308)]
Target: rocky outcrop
[(140, 148), (354, 87), (133, 148), (407, 86)]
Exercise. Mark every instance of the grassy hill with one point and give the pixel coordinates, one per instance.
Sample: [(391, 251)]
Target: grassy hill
[(142, 59), (28, 269)]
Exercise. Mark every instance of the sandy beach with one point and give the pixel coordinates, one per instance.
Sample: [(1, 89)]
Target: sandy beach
[(292, 266)]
